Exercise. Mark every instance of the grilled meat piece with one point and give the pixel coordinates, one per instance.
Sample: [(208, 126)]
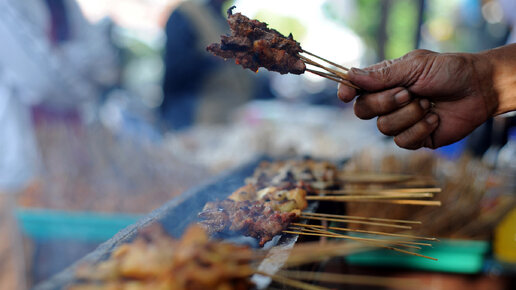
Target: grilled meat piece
[(279, 199), (157, 261), (305, 174), (250, 218), (253, 45)]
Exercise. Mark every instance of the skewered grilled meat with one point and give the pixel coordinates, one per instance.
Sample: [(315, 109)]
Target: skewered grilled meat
[(283, 200), (250, 218), (156, 261), (306, 174), (253, 45)]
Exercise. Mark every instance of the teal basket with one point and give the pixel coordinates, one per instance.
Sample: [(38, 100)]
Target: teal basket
[(44, 224), (454, 256)]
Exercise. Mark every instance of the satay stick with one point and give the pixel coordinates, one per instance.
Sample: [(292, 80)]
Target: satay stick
[(379, 191), (398, 250), (397, 242), (407, 201), (329, 76), (350, 221), (371, 197), (341, 75), (369, 232), (361, 218), (329, 234), (333, 77), (328, 61)]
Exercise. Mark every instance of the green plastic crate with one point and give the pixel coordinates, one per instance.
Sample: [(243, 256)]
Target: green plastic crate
[(454, 256), (44, 224)]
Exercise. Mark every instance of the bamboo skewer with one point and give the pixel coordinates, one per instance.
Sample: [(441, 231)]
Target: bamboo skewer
[(422, 189), (395, 201), (380, 191), (328, 61), (390, 248), (323, 230), (369, 232), (411, 202), (332, 235), (371, 197), (361, 218), (407, 244), (342, 236), (409, 253), (332, 77), (335, 75), (341, 75), (350, 221), (406, 283)]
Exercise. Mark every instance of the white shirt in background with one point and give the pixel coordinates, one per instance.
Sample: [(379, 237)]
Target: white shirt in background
[(32, 71)]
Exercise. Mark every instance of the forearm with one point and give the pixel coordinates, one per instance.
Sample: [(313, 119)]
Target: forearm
[(503, 65)]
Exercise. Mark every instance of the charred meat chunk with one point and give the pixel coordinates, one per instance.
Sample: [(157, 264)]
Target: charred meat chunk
[(253, 45), (250, 218)]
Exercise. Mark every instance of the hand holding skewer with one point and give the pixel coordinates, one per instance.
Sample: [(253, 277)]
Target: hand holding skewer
[(428, 99)]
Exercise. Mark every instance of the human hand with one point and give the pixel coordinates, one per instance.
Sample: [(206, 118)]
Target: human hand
[(425, 99)]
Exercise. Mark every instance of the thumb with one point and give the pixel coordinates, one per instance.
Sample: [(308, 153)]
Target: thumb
[(389, 76), (390, 73)]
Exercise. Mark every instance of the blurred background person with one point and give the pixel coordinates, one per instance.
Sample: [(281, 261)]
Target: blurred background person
[(53, 64), (198, 87)]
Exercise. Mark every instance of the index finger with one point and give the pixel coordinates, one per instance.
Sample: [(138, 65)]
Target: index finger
[(346, 93)]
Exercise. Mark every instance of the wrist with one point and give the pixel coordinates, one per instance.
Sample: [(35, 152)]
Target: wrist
[(502, 67)]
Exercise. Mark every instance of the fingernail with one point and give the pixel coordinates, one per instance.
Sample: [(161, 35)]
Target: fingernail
[(358, 71), (431, 119), (424, 103), (402, 97)]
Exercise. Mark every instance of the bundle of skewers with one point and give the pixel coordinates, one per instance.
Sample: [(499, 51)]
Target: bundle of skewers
[(473, 201), (253, 45), (274, 202)]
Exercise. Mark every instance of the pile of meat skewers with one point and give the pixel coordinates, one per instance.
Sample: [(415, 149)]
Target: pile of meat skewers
[(272, 199), (157, 261)]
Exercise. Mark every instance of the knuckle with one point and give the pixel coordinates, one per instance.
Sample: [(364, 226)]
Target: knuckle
[(345, 94), (415, 110), (384, 126), (383, 102), (384, 75), (404, 142), (419, 53), (360, 111)]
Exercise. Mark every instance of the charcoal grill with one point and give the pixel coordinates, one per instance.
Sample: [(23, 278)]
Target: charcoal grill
[(175, 216)]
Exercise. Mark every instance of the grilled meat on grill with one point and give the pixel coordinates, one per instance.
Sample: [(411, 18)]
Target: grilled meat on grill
[(156, 261), (306, 174), (250, 218)]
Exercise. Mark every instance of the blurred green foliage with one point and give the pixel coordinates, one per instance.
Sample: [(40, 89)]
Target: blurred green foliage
[(401, 28), (365, 22), (283, 24)]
